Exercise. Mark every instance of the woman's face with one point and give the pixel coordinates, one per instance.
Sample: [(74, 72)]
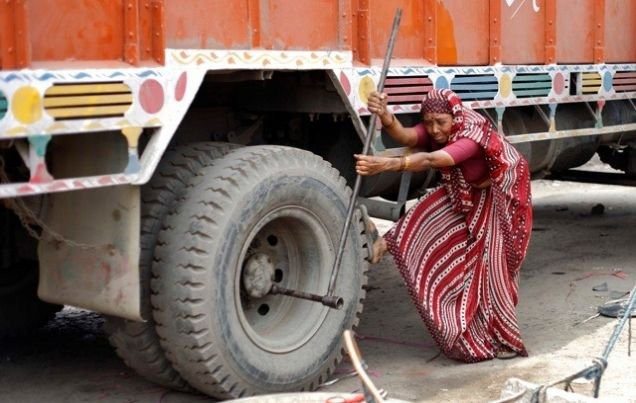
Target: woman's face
[(438, 126)]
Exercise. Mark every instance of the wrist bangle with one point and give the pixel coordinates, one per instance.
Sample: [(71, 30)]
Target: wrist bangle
[(402, 164), (407, 163)]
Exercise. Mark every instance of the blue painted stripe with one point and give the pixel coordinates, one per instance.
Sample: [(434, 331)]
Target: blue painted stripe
[(475, 79), (3, 106), (477, 95), (533, 77), (531, 92), (532, 85), (476, 87)]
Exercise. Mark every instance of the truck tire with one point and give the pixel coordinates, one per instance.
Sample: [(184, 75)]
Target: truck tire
[(21, 311), (137, 343), (279, 210)]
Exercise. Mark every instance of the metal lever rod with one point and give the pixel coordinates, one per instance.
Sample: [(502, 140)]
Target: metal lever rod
[(327, 300), (365, 151)]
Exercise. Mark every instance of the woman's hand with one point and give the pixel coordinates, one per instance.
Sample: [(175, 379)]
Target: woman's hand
[(372, 165), (377, 103)]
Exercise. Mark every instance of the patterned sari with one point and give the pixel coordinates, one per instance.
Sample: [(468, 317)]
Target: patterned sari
[(460, 248)]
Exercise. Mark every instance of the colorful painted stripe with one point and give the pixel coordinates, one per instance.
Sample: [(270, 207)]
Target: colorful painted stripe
[(87, 100), (4, 104), (475, 87), (624, 81), (531, 85), (407, 90), (590, 83)]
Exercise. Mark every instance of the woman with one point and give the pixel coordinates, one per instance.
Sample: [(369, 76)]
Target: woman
[(460, 248)]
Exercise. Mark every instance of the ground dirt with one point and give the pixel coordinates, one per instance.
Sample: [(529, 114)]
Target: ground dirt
[(574, 248)]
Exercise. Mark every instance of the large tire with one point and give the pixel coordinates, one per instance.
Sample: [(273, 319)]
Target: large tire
[(137, 343), (283, 203), (21, 311)]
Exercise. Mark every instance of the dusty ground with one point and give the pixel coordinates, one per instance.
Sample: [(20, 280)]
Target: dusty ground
[(572, 251)]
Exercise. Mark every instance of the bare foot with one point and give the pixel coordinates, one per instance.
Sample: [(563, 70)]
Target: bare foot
[(379, 249), (375, 243)]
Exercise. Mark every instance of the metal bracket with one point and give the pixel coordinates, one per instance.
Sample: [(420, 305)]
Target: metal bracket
[(388, 210)]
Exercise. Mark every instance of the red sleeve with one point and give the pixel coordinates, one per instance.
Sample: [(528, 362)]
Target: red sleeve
[(462, 149), (423, 140)]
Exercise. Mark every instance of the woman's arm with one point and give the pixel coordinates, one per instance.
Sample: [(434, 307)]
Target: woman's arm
[(377, 104), (372, 165)]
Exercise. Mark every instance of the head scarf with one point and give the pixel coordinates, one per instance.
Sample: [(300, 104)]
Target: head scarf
[(445, 101)]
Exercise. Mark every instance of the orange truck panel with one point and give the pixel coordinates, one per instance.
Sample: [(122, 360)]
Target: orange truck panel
[(620, 31), (433, 32), (76, 30)]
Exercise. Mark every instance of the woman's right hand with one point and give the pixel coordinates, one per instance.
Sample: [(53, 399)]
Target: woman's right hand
[(372, 165)]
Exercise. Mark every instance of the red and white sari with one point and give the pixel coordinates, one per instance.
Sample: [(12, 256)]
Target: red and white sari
[(460, 248)]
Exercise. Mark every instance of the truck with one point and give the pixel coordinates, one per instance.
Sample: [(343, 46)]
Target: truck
[(170, 163)]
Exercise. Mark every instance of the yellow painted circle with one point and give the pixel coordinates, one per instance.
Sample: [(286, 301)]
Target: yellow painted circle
[(365, 87), (26, 105), (505, 86)]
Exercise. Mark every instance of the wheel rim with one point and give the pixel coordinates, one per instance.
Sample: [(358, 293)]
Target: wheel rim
[(299, 246)]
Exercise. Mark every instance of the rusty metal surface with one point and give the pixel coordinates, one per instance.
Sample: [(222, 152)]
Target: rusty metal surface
[(102, 273), (105, 276)]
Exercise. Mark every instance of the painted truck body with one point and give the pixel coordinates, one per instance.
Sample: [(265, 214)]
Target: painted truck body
[(165, 153)]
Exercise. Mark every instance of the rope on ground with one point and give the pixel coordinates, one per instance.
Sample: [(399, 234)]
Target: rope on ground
[(595, 371)]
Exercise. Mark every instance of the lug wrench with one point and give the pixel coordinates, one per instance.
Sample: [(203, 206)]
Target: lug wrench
[(331, 300)]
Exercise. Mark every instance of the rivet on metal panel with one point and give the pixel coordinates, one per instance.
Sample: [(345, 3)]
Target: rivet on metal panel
[(430, 19), (10, 49)]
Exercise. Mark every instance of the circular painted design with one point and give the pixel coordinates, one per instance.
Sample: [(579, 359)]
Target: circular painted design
[(366, 86), (26, 105), (180, 88), (558, 83), (441, 82), (505, 86), (151, 96), (607, 81)]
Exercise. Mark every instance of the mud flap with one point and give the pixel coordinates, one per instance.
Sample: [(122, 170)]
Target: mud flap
[(102, 273)]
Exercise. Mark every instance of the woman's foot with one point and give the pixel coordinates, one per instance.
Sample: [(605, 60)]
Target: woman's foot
[(506, 354), (376, 245)]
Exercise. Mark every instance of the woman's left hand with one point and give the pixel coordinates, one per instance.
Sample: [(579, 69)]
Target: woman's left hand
[(372, 165)]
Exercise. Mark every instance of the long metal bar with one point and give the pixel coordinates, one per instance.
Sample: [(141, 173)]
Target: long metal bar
[(606, 178), (561, 134), (365, 150), (330, 301)]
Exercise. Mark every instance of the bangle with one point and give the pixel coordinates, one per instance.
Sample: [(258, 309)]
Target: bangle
[(391, 123), (402, 164), (407, 163)]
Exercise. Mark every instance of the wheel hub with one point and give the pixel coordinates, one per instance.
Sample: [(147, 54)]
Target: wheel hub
[(258, 275)]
